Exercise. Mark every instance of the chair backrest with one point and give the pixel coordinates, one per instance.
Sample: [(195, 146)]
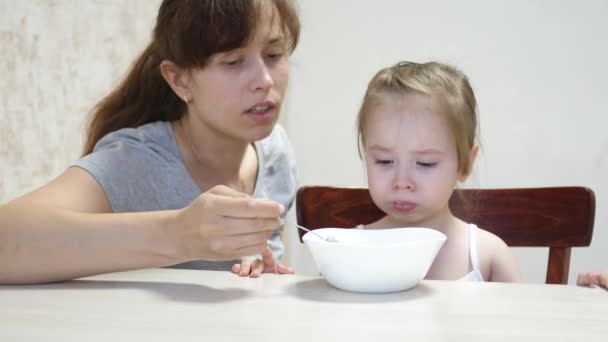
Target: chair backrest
[(556, 217)]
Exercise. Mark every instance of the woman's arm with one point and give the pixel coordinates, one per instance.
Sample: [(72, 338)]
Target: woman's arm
[(66, 230)]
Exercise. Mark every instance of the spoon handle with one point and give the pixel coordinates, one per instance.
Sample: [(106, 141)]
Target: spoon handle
[(304, 229)]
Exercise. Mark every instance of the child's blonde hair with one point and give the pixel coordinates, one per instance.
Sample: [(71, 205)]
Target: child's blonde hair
[(445, 84)]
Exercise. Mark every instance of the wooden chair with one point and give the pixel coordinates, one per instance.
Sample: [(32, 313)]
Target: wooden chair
[(557, 217)]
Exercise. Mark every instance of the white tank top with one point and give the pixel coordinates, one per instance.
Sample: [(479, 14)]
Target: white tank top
[(475, 275)]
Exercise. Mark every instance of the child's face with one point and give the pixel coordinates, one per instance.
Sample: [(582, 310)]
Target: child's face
[(412, 166)]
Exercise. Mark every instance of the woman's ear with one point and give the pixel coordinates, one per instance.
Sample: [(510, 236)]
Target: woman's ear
[(472, 157), (177, 78)]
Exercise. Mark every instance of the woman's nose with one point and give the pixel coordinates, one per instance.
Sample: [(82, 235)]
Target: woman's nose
[(261, 76)]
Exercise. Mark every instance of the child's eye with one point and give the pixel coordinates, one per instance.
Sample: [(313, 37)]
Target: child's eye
[(383, 161), (427, 165)]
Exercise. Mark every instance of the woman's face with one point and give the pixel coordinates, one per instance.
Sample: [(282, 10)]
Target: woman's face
[(239, 93)]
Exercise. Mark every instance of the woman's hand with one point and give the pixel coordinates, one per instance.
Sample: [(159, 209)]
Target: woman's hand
[(224, 224), (591, 279), (254, 267)]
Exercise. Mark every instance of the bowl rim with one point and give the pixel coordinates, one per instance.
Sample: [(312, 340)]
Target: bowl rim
[(316, 240)]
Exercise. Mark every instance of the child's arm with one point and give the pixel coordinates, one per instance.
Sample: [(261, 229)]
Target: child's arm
[(503, 267), (592, 279)]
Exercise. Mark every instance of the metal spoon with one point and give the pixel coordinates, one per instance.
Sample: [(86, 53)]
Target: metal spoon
[(328, 239)]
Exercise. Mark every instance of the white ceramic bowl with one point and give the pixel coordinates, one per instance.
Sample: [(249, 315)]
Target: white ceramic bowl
[(374, 260)]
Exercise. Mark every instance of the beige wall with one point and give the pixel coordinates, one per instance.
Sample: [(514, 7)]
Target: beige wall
[(57, 59)]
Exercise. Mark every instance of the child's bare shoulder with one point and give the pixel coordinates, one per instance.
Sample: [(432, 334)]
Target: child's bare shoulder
[(491, 247), (497, 258), (490, 240)]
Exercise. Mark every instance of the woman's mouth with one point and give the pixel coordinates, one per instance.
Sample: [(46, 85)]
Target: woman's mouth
[(262, 113)]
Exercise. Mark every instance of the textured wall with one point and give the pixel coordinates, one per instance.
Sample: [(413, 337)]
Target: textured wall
[(58, 58)]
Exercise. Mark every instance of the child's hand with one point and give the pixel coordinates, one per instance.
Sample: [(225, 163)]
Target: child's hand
[(592, 279), (255, 267)]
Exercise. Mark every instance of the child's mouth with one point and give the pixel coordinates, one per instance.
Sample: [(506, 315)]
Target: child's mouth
[(404, 206)]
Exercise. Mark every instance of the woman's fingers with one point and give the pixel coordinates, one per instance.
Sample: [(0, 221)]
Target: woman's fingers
[(251, 268), (238, 226), (282, 269), (231, 247), (256, 268), (226, 191), (242, 207), (245, 267), (270, 265), (249, 246), (224, 224)]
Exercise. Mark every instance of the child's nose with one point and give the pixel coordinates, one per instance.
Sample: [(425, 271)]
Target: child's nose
[(403, 181)]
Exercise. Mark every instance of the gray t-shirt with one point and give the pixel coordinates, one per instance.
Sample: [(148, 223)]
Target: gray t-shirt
[(141, 169)]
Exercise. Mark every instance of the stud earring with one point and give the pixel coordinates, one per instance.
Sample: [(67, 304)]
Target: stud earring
[(186, 99)]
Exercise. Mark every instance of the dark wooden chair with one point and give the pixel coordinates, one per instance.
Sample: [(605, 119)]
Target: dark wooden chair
[(556, 217)]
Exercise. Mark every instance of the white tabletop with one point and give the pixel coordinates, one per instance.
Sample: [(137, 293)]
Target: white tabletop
[(188, 305)]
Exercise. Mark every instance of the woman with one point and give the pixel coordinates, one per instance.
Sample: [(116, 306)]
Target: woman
[(184, 164)]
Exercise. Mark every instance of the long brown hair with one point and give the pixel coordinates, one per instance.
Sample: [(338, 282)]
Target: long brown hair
[(187, 32)]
